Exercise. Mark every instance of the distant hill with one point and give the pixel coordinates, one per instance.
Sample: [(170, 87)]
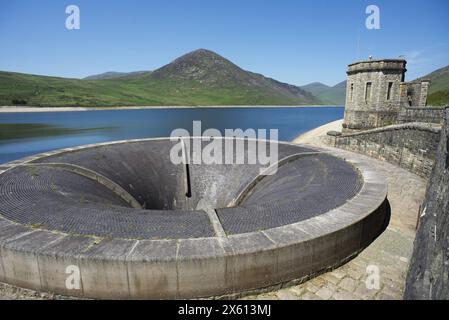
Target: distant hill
[(439, 87), (438, 98), (114, 75), (199, 78), (315, 87), (328, 95), (439, 79)]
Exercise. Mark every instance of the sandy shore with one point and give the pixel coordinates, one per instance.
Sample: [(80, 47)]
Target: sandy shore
[(6, 109), (314, 134)]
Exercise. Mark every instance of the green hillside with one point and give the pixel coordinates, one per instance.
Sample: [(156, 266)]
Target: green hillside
[(315, 87), (439, 87), (201, 77), (114, 75), (438, 98), (328, 95)]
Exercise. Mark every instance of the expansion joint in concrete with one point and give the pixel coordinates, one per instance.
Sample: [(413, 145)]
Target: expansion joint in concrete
[(215, 222)]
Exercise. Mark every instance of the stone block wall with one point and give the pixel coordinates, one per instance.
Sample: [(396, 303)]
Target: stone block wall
[(429, 268), (414, 93), (411, 146), (424, 114)]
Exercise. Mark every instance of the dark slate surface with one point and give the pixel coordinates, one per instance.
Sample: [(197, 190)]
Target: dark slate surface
[(302, 189), (54, 199)]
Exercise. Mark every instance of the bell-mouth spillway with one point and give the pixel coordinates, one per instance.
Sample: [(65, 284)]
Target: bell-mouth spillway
[(139, 226)]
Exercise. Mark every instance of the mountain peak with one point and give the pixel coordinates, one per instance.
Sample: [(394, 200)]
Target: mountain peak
[(200, 56), (203, 52), (201, 65), (342, 84), (207, 69), (317, 83), (315, 86)]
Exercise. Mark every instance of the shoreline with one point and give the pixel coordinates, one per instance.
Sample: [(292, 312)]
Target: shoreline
[(318, 132), (19, 109)]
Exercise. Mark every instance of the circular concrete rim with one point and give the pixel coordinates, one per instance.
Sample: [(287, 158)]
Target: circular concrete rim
[(192, 268)]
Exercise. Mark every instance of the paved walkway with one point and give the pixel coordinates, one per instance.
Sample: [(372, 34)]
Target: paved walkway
[(389, 254)]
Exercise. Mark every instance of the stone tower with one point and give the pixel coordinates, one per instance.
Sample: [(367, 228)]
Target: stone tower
[(373, 96)]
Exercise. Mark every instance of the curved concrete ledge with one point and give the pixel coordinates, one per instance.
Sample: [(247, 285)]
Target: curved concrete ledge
[(194, 267)]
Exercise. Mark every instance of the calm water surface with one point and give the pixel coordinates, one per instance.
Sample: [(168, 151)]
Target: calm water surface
[(78, 128)]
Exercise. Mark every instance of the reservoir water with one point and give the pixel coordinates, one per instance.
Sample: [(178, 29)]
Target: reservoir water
[(23, 134)]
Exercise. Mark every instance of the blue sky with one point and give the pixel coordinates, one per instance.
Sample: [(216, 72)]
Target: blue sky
[(294, 41)]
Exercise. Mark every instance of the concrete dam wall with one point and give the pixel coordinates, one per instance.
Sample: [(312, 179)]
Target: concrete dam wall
[(136, 225)]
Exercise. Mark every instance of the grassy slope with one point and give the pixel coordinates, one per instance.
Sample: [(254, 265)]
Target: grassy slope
[(22, 89), (439, 79), (438, 98), (328, 95), (336, 95), (199, 78), (439, 87)]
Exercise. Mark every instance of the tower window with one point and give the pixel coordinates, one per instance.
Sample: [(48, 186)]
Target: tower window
[(368, 91), (410, 94), (390, 87), (351, 92)]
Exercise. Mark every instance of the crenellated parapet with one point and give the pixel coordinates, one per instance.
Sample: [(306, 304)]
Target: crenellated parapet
[(376, 94)]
